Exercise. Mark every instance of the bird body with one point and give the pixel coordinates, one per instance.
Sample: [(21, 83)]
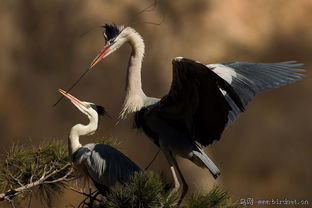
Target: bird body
[(103, 164), (202, 101), (176, 141)]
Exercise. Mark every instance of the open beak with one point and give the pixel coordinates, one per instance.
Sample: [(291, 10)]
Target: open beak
[(100, 56), (71, 98)]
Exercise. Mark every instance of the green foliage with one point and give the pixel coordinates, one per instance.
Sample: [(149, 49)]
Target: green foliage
[(216, 198), (148, 190), (23, 165), (144, 190)]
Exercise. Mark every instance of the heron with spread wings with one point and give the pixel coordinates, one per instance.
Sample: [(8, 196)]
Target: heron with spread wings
[(203, 99), (103, 164)]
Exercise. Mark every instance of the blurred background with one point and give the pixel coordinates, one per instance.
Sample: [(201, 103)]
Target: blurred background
[(266, 154)]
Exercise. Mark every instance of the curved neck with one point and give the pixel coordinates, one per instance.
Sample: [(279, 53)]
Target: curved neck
[(134, 83), (135, 96), (80, 130)]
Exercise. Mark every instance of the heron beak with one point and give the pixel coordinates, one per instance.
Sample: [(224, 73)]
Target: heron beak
[(71, 98), (100, 56)]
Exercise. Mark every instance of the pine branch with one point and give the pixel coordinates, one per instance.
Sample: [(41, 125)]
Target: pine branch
[(25, 169), (147, 189), (8, 195), (46, 169)]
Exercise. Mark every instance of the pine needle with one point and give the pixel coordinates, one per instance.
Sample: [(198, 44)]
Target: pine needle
[(216, 198)]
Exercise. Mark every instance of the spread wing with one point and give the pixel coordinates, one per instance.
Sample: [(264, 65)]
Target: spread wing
[(196, 102), (205, 99), (106, 165), (248, 79)]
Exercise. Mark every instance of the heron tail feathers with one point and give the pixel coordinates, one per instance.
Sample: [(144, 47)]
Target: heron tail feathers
[(202, 160)]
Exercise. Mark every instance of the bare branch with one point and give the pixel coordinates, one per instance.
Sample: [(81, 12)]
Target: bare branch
[(44, 172), (31, 179), (66, 177)]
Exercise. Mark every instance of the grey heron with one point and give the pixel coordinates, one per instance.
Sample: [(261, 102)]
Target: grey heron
[(103, 164), (203, 99)]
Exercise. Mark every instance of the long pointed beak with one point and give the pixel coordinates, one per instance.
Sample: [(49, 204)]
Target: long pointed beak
[(100, 56), (71, 98)]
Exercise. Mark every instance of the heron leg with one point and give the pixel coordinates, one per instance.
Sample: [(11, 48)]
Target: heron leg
[(174, 175), (185, 186), (173, 164), (175, 178)]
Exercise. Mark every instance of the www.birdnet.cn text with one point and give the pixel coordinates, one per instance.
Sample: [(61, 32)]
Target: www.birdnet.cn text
[(251, 201)]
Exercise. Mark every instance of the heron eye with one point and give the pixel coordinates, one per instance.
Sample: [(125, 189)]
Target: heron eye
[(112, 41)]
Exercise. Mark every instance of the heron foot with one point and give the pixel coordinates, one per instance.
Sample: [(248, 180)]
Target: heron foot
[(184, 191)]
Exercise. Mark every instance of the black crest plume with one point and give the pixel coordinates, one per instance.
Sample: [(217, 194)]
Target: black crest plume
[(99, 109), (111, 31)]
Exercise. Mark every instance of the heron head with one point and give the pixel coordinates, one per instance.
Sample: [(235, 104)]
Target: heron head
[(115, 37), (90, 109)]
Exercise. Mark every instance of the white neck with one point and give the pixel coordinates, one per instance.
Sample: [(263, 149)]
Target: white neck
[(135, 96), (80, 130)]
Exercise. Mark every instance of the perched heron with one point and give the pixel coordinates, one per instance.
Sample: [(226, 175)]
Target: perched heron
[(103, 164), (203, 99)]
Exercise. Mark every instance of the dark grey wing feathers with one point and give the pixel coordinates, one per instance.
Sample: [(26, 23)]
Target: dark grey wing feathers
[(248, 79), (107, 166), (205, 103), (217, 79), (265, 76), (195, 103)]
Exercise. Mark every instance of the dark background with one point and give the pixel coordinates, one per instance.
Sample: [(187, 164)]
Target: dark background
[(266, 154)]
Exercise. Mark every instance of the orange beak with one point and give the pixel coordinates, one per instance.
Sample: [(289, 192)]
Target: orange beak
[(100, 56), (71, 98)]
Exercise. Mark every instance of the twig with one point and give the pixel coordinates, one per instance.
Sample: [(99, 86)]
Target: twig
[(83, 193), (12, 203), (30, 198), (64, 178), (155, 156), (31, 179), (91, 199), (77, 191), (15, 178)]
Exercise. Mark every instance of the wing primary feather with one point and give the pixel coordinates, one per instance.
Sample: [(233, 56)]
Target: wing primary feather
[(249, 79)]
